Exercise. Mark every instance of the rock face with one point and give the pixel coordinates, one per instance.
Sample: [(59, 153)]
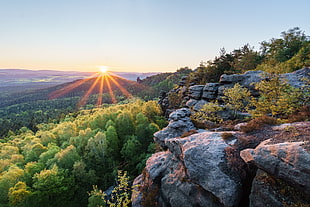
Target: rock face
[(288, 161), (284, 171), (195, 91), (191, 173), (215, 91), (199, 170), (179, 122)]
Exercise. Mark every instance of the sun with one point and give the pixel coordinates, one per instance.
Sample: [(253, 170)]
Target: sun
[(103, 69)]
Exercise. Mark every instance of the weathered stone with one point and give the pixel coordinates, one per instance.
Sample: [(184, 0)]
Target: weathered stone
[(210, 91), (203, 155), (262, 194), (251, 77), (297, 77), (167, 176), (222, 88), (191, 102), (191, 173), (270, 191), (198, 106), (234, 78), (195, 91), (287, 160), (179, 122)]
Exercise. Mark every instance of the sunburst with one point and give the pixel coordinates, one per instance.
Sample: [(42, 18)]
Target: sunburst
[(103, 78)]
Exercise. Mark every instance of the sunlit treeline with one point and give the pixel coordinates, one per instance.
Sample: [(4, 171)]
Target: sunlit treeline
[(59, 164)]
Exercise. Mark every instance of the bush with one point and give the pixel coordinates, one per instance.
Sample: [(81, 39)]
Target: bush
[(258, 123), (302, 114), (209, 112), (227, 135), (237, 98), (277, 97)]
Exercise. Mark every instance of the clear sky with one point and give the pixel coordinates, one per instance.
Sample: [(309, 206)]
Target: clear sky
[(137, 35)]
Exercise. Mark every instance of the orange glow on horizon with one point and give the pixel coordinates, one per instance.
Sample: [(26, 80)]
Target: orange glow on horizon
[(103, 81), (83, 100), (67, 89), (110, 89)]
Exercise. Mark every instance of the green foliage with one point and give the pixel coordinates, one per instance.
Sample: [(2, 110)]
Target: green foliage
[(237, 98), (175, 100), (19, 195), (286, 54), (8, 180), (52, 186), (209, 112), (62, 160), (277, 97), (120, 196)]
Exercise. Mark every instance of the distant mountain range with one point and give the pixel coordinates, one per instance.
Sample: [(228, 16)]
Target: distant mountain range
[(15, 80)]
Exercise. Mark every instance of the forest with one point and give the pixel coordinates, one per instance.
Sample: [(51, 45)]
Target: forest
[(59, 164), (53, 153)]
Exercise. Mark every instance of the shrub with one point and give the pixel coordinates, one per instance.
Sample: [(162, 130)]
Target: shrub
[(237, 98), (277, 97), (303, 114), (209, 112), (227, 135), (258, 123)]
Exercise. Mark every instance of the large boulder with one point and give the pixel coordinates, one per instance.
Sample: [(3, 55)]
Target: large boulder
[(179, 122), (194, 172), (270, 191), (288, 161), (203, 155)]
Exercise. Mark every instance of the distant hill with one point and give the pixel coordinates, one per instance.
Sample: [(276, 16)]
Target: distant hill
[(17, 80), (75, 88), (29, 108)]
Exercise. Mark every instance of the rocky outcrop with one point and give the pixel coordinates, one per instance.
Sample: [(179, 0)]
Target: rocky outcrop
[(179, 122), (284, 169), (215, 91), (195, 91), (205, 169), (194, 172), (288, 161)]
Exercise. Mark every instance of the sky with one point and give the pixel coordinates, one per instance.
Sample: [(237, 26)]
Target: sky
[(137, 35)]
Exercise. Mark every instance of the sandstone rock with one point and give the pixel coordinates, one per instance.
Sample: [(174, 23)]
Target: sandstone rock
[(288, 161), (221, 89), (234, 78), (270, 191), (251, 77), (202, 155), (191, 102), (165, 175), (198, 106), (191, 173), (262, 194), (296, 78), (195, 91), (210, 91), (179, 122)]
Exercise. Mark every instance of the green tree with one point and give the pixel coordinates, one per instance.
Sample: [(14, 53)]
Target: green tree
[(19, 195), (7, 180), (66, 157), (112, 145), (277, 97), (52, 187), (237, 98), (124, 126), (120, 195)]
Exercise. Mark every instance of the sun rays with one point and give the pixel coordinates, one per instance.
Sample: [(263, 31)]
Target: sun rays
[(104, 82)]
